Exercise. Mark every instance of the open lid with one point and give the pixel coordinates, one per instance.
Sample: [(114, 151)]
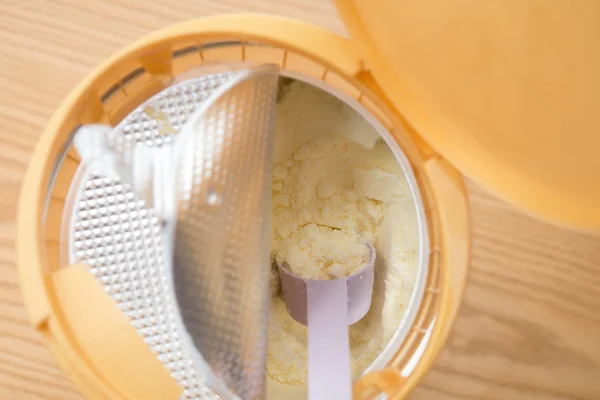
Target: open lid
[(508, 93)]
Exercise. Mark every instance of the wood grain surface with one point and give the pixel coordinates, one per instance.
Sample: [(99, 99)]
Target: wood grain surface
[(530, 324)]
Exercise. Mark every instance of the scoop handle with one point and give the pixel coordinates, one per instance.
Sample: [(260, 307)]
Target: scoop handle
[(329, 374)]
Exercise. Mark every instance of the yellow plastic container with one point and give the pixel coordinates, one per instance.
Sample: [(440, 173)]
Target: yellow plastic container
[(475, 85)]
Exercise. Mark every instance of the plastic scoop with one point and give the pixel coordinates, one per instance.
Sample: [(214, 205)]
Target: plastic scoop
[(327, 307)]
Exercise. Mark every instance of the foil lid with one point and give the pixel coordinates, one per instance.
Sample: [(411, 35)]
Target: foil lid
[(205, 178)]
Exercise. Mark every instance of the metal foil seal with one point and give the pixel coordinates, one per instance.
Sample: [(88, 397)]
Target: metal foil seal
[(221, 240), (206, 260)]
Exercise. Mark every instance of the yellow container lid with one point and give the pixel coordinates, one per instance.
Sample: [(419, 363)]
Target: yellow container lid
[(509, 94)]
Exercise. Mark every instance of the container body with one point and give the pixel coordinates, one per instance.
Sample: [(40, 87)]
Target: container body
[(65, 300)]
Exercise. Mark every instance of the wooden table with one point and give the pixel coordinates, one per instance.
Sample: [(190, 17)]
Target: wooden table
[(530, 324)]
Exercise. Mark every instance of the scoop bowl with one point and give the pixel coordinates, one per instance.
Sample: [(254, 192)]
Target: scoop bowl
[(359, 288)]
